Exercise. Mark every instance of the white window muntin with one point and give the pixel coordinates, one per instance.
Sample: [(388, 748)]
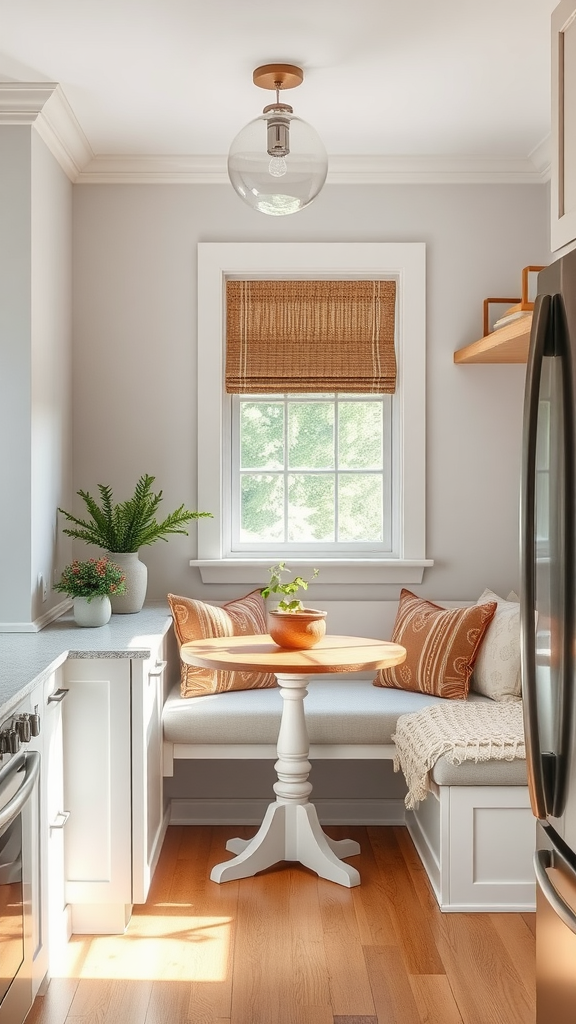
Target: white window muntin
[(385, 474)]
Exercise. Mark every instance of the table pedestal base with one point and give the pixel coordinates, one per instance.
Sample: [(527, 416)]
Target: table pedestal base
[(290, 832)]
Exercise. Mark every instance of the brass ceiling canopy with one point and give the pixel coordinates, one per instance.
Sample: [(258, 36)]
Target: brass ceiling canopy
[(277, 164), (278, 76)]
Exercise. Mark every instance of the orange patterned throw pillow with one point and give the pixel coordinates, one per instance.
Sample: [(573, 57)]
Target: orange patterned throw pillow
[(441, 646), (195, 620)]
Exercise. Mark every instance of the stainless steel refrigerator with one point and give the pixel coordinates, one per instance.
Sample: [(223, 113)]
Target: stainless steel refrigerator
[(548, 615)]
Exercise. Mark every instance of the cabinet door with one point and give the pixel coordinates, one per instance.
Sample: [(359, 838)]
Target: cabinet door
[(38, 878), (563, 185), (55, 816), (96, 719), (149, 819)]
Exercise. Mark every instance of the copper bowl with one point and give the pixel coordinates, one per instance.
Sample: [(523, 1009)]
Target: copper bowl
[(296, 631)]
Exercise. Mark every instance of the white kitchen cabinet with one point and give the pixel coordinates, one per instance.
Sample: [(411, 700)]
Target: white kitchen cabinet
[(563, 185), (150, 682), (112, 785), (97, 767), (54, 815)]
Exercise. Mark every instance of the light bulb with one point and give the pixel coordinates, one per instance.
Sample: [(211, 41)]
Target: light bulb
[(282, 176), (277, 166)]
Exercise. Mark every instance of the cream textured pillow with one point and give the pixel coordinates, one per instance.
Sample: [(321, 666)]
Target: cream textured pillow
[(196, 620), (497, 668), (441, 646)]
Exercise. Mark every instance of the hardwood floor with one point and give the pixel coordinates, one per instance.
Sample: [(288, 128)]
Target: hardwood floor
[(287, 947)]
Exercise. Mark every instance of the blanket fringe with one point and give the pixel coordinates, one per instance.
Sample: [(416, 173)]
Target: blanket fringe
[(470, 731)]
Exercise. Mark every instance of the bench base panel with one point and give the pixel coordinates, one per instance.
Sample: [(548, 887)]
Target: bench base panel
[(251, 812), (477, 844)]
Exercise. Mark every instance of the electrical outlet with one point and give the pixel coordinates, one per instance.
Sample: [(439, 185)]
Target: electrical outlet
[(43, 587)]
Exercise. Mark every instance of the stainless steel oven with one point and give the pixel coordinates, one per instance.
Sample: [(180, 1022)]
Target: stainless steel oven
[(18, 801)]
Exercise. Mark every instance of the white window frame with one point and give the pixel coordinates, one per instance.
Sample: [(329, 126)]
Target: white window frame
[(404, 262), (288, 549)]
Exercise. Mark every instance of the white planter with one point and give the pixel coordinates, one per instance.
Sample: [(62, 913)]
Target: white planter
[(136, 573), (95, 612)]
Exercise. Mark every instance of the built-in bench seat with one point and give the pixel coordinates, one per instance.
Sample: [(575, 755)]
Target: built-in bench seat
[(475, 831), (344, 718)]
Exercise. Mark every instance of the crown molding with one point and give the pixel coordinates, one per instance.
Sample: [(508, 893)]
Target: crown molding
[(44, 106), (343, 170), (435, 170), (541, 157), (150, 170)]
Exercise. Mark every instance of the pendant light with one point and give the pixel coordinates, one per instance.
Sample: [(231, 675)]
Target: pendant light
[(277, 163)]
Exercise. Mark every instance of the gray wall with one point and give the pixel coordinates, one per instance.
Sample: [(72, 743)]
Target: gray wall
[(135, 353), (35, 378), (15, 254), (51, 370)]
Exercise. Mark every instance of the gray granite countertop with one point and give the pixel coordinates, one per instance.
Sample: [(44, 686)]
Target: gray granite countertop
[(26, 659)]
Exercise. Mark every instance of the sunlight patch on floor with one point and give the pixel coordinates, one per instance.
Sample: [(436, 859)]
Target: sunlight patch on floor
[(182, 948)]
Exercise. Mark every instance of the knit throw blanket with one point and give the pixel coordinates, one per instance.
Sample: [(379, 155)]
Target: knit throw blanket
[(461, 731)]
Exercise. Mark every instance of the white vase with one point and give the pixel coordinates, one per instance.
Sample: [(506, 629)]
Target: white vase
[(95, 612), (136, 573)]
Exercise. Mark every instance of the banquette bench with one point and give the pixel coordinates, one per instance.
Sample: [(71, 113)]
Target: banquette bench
[(475, 831)]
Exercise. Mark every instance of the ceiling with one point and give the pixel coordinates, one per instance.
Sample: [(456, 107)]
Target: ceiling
[(466, 79)]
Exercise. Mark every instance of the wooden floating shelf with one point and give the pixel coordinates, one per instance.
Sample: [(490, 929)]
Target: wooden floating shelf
[(509, 344)]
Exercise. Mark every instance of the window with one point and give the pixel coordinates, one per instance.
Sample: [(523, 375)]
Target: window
[(311, 473), (334, 479)]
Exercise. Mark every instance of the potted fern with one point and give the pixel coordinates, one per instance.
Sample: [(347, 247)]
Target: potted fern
[(123, 528), (291, 624)]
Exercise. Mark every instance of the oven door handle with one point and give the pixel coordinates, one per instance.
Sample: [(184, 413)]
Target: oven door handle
[(31, 759)]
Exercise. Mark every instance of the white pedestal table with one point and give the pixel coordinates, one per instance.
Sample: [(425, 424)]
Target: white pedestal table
[(290, 830)]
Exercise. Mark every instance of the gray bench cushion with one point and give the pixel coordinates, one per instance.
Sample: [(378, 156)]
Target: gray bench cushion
[(338, 711), (485, 773)]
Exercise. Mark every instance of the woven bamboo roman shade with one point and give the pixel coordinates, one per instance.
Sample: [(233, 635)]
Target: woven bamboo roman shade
[(310, 336)]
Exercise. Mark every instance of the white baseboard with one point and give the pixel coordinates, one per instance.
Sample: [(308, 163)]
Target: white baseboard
[(100, 918), (39, 623), (425, 851), (251, 812), (159, 842), (488, 908)]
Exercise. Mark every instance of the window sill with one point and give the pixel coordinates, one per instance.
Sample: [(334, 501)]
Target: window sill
[(333, 570)]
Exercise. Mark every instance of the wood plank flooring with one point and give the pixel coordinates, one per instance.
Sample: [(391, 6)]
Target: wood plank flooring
[(287, 947)]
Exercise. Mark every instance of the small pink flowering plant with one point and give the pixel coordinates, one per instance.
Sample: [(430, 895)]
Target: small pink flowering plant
[(96, 577)]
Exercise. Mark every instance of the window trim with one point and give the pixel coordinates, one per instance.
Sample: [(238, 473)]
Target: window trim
[(405, 261)]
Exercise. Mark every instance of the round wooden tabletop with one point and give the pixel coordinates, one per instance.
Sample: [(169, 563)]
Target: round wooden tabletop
[(331, 654)]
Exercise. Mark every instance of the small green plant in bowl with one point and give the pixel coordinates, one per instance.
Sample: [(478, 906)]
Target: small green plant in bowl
[(291, 625), (276, 586)]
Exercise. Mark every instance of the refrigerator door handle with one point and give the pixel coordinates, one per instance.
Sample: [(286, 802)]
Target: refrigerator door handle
[(544, 859), (536, 784)]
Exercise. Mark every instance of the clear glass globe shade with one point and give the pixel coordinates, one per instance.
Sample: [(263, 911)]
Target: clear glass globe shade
[(254, 173)]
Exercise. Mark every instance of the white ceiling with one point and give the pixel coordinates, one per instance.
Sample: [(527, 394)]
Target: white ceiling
[(434, 78)]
